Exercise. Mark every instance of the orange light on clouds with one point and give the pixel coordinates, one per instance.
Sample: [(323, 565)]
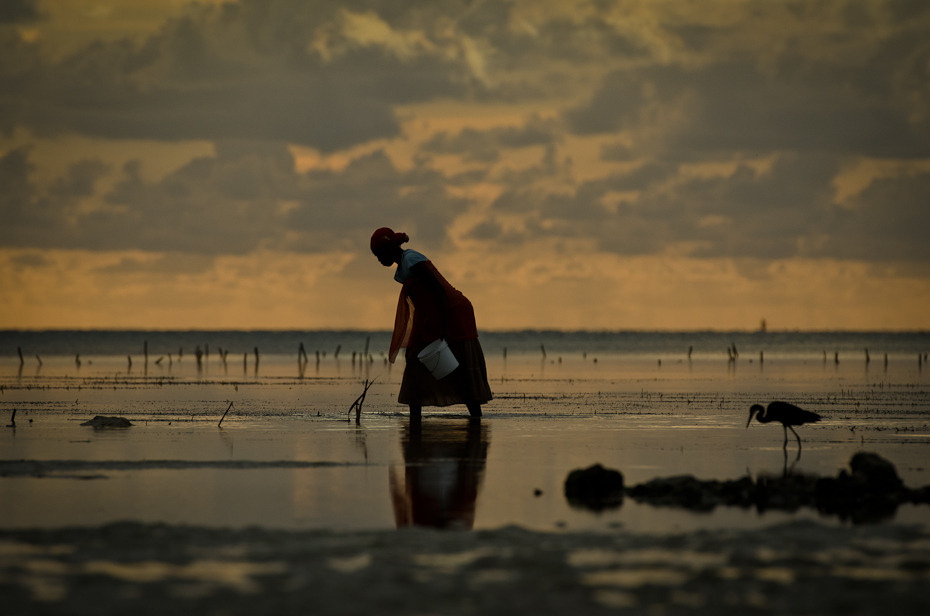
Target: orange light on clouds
[(575, 165)]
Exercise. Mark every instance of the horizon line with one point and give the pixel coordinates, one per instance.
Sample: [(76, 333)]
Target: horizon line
[(600, 330)]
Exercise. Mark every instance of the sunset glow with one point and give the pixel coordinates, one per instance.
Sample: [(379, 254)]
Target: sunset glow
[(584, 165)]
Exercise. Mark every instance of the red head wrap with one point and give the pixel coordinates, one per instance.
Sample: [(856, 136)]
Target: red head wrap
[(384, 239)]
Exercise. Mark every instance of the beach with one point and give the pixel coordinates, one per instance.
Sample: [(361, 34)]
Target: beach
[(290, 505)]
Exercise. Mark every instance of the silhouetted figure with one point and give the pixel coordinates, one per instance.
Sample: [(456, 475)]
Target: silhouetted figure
[(429, 309), (787, 414)]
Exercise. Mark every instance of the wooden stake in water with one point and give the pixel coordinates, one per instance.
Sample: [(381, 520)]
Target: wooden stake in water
[(224, 415), (357, 405)]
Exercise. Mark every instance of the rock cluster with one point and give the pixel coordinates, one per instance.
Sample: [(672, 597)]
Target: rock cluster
[(869, 491), (101, 421), (596, 488)]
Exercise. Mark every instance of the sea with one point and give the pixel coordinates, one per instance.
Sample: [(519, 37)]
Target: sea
[(803, 345), (303, 429)]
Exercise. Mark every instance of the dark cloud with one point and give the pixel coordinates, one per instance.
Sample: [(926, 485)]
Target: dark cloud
[(80, 180), (487, 145), (254, 75), (245, 197), (783, 212), (247, 71), (30, 260), (909, 11), (338, 207), (25, 215), (19, 11), (616, 106), (888, 221), (738, 107)]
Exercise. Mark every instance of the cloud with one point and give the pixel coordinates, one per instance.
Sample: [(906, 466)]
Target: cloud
[(247, 196), (887, 221), (277, 71), (336, 208), (784, 211), (235, 148), (738, 107), (19, 12), (782, 97), (487, 145)]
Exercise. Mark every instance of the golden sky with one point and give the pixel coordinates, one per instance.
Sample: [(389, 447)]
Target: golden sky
[(633, 164)]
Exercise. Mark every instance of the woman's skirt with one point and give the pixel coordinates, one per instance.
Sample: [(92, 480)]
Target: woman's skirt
[(466, 384)]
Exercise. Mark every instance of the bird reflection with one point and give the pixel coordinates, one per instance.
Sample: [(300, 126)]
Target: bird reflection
[(443, 469)]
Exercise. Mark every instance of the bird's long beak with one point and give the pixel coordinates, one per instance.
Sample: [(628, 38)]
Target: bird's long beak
[(749, 421)]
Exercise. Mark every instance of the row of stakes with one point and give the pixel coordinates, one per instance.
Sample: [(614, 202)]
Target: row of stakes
[(203, 355), (303, 359)]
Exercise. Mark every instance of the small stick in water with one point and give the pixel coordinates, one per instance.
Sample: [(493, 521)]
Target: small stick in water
[(12, 423), (357, 405), (224, 415)]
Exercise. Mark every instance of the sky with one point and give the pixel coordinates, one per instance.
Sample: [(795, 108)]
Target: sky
[(608, 164)]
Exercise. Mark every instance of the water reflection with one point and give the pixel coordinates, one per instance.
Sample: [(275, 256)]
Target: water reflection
[(444, 464)]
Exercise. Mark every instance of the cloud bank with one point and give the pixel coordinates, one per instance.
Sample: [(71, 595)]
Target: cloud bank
[(711, 130)]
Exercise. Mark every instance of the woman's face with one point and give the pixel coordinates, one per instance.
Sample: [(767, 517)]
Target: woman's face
[(389, 256)]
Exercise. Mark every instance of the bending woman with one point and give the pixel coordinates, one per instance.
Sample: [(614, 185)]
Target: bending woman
[(429, 308)]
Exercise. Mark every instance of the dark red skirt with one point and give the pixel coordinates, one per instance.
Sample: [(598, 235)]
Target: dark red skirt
[(468, 383)]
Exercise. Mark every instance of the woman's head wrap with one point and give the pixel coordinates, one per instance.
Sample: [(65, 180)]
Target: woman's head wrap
[(385, 239)]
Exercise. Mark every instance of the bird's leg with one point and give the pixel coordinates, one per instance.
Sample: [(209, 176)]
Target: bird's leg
[(785, 445), (795, 436)]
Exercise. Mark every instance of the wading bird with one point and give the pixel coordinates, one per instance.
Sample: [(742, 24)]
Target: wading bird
[(786, 414)]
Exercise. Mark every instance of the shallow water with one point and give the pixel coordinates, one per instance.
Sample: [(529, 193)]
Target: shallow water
[(289, 455)]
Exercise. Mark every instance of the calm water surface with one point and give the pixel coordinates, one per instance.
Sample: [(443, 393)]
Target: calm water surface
[(289, 455)]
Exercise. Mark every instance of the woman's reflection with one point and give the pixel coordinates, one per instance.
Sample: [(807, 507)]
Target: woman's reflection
[(443, 468)]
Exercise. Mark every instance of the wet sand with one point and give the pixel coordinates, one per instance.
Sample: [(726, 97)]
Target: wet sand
[(290, 506)]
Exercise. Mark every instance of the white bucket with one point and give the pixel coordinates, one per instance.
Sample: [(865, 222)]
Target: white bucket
[(438, 359)]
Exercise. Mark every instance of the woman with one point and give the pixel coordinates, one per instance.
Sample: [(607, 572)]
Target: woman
[(429, 308)]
